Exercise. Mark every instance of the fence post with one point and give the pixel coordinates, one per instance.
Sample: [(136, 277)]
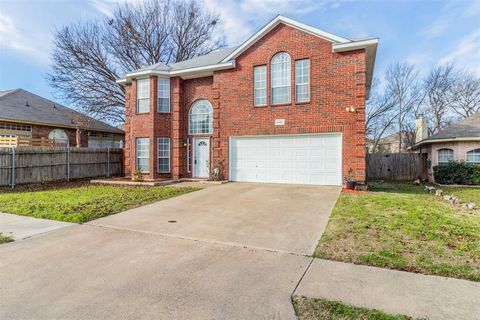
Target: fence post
[(13, 167), (68, 161), (108, 161)]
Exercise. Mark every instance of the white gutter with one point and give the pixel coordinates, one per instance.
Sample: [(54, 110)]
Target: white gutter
[(354, 45), (174, 73), (447, 140)]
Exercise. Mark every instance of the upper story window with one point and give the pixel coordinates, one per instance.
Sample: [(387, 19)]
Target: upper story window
[(473, 156), (260, 85), (302, 80), (163, 95), (444, 156), (143, 95), (280, 78), (200, 118)]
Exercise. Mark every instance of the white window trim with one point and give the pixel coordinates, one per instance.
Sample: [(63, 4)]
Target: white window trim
[(167, 157), (137, 157), (147, 80), (265, 88), (302, 83), (475, 152), (190, 115), (289, 79), (438, 156), (167, 80)]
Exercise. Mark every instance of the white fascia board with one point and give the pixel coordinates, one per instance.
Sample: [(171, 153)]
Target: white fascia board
[(167, 74), (465, 139), (354, 45), (219, 66), (290, 22)]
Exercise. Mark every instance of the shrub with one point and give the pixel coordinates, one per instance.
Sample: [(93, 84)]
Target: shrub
[(457, 173)]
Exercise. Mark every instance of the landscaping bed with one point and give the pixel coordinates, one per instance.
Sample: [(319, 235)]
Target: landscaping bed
[(321, 309), (80, 201), (400, 226)]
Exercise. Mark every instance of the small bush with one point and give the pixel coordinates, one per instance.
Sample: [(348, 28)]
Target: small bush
[(457, 173)]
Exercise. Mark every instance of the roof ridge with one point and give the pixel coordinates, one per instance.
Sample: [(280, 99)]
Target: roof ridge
[(9, 92)]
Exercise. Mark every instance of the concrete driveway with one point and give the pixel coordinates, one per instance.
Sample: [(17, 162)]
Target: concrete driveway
[(211, 264), (275, 217)]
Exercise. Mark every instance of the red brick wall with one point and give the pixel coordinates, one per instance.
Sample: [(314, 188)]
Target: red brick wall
[(337, 82), (43, 131)]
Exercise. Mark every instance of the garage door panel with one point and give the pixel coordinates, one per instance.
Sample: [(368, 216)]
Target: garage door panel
[(302, 159)]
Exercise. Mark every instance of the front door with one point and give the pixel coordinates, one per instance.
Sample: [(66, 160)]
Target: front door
[(201, 157)]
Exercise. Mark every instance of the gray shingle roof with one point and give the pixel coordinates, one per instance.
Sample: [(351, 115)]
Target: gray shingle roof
[(208, 59), (466, 128), (23, 106)]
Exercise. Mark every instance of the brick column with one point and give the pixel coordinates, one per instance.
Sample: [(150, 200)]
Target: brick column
[(153, 123), (176, 137), (359, 131), (216, 157), (127, 157)]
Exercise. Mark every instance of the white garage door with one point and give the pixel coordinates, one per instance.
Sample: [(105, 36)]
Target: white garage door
[(301, 159)]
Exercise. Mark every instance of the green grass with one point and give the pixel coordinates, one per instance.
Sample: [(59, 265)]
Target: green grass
[(321, 309), (83, 203), (5, 238), (399, 226)]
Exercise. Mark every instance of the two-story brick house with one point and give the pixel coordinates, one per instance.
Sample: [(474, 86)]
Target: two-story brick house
[(286, 106)]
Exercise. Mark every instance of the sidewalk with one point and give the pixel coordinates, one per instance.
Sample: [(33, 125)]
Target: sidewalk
[(21, 227), (392, 291)]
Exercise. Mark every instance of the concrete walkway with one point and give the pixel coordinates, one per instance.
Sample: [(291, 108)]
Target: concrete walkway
[(392, 291), (22, 227)]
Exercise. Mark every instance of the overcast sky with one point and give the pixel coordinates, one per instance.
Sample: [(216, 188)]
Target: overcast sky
[(422, 32)]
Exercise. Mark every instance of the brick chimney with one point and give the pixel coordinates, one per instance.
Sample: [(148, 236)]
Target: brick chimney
[(421, 129)]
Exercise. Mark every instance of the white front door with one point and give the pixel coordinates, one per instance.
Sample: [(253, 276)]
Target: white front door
[(201, 157)]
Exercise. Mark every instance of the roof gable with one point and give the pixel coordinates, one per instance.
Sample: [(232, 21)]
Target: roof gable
[(289, 22)]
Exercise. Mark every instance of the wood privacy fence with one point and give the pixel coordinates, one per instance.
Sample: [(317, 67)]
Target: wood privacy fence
[(42, 164), (396, 166)]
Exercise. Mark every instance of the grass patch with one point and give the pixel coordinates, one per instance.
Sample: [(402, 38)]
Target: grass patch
[(321, 309), (5, 238), (84, 202), (399, 226)]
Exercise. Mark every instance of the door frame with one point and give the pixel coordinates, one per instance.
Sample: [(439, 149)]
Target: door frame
[(194, 146)]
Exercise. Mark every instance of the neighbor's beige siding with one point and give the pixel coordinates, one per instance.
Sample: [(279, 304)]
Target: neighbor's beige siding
[(460, 150)]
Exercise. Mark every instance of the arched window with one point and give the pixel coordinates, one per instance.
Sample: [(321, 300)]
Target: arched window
[(280, 78), (200, 118), (59, 137), (473, 156), (444, 156)]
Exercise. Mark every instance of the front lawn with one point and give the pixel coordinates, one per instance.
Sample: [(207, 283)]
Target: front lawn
[(84, 202), (321, 309), (399, 226)]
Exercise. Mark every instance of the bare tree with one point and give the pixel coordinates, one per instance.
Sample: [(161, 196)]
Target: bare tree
[(379, 119), (438, 86), (89, 56), (466, 95), (403, 87)]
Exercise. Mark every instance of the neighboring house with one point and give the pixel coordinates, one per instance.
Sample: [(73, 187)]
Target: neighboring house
[(391, 143), (458, 142), (286, 106), (27, 115)]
